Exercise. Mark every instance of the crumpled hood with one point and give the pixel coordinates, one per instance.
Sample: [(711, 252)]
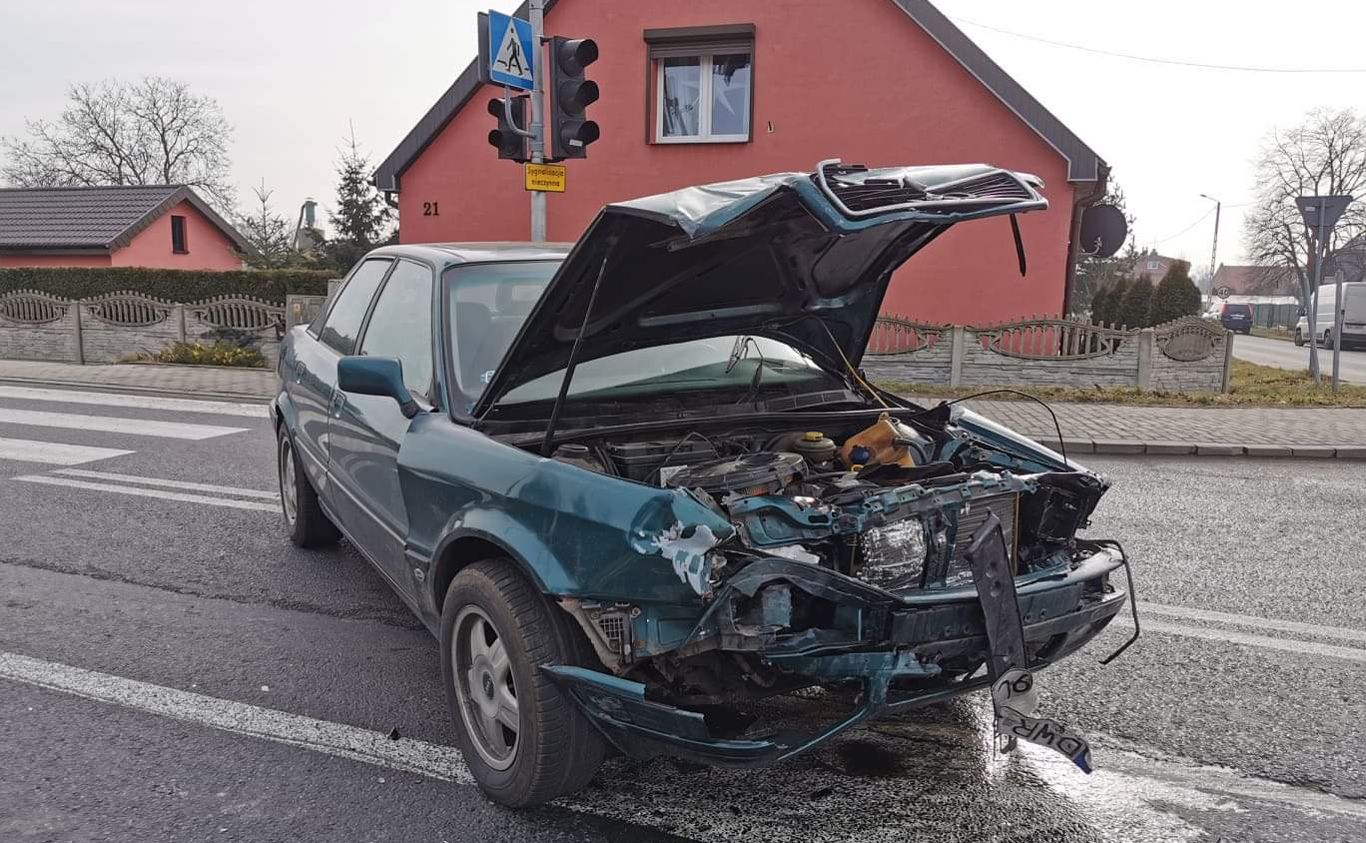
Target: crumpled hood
[(800, 257)]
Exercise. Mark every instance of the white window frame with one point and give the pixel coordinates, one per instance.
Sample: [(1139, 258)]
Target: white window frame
[(704, 134)]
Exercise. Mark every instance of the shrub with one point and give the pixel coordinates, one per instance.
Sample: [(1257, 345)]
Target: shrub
[(1107, 312), (1136, 304), (177, 285), (219, 354), (1175, 296)]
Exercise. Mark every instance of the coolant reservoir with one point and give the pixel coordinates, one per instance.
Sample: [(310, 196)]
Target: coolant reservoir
[(887, 442)]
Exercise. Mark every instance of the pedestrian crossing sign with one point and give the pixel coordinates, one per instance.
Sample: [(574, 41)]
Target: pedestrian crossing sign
[(508, 56)]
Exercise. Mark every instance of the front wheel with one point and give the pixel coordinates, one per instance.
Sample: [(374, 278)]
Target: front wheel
[(1299, 338), (522, 737), (1327, 339)]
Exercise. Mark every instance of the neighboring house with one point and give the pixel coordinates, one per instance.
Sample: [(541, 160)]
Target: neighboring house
[(1255, 280), (165, 226), (1152, 266), (712, 90)]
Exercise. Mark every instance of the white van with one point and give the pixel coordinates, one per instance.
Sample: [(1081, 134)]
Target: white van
[(1353, 317)]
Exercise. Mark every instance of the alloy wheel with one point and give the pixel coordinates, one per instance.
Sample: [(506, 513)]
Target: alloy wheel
[(485, 687), (289, 487)]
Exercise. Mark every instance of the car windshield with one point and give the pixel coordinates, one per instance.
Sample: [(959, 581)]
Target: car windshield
[(742, 365), (488, 303)]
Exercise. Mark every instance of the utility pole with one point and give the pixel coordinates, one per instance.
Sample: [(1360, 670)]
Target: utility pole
[(1338, 311), (537, 14), (1214, 249)]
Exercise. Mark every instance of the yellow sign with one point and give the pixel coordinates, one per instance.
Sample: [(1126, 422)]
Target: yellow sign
[(546, 177)]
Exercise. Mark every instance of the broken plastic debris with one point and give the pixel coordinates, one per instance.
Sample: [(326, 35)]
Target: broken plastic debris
[(689, 554), (1015, 698)]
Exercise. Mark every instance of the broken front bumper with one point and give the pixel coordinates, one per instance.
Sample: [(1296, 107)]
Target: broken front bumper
[(902, 639)]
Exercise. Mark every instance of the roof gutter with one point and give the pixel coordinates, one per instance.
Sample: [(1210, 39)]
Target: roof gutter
[(1086, 200)]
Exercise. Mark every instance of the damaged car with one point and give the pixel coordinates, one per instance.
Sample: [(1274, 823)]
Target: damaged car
[(638, 486)]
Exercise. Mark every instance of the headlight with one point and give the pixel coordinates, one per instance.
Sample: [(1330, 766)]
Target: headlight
[(894, 556)]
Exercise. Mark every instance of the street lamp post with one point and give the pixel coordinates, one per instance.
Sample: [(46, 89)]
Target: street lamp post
[(1214, 249)]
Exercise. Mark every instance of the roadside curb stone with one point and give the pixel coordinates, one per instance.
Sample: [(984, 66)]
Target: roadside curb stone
[(1180, 449), (1217, 449), (1269, 450), (1314, 451)]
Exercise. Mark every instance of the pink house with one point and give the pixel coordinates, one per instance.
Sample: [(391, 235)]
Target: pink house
[(163, 226), (711, 90)]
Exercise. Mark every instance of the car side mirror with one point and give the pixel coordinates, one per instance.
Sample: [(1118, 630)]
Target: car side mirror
[(382, 376)]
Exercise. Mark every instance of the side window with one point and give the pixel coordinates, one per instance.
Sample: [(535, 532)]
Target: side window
[(348, 312), (401, 325)]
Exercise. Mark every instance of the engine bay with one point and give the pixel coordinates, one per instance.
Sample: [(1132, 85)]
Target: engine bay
[(894, 503)]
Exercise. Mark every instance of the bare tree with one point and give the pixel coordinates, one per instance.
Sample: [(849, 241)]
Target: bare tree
[(153, 131), (1323, 156)]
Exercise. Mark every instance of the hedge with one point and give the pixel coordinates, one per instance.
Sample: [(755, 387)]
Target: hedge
[(177, 285)]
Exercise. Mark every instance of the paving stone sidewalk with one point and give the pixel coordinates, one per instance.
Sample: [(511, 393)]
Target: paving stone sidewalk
[(192, 381), (1086, 428)]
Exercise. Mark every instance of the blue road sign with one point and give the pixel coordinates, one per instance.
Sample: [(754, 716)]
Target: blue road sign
[(511, 57)]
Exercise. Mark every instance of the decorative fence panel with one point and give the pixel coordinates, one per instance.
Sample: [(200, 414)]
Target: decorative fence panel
[(1187, 354), (114, 327), (245, 321), (37, 326)]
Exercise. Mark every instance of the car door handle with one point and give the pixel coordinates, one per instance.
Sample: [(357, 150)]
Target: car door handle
[(338, 402)]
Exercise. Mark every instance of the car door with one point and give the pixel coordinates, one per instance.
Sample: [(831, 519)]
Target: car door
[(366, 431), (310, 374)]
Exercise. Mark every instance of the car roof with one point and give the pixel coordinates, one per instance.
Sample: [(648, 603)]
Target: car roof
[(488, 252)]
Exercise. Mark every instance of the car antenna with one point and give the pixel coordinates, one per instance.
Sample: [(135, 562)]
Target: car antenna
[(574, 354)]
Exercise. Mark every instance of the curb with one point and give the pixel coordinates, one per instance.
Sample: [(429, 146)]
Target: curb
[(121, 389), (1128, 447)]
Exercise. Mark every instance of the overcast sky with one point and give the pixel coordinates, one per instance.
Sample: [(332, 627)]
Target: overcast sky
[(292, 76)]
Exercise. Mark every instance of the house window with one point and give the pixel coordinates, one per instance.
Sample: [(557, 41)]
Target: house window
[(178, 243), (702, 84), (1152, 265)]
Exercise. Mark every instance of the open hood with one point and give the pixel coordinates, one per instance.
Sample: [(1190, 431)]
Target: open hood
[(800, 257)]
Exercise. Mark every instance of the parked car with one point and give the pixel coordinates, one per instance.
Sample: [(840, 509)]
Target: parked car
[(1325, 307), (1234, 317), (638, 486)]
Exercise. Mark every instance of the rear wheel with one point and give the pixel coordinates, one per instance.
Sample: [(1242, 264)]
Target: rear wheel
[(1299, 338), (1327, 339), (308, 525), (524, 740)]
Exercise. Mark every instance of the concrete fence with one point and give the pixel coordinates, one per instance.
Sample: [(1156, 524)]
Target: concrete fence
[(109, 328), (1186, 354)]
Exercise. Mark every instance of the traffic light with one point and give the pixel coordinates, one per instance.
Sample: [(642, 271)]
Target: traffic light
[(511, 145), (570, 94)]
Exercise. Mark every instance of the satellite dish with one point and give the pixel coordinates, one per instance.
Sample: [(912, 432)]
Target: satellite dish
[(1103, 230)]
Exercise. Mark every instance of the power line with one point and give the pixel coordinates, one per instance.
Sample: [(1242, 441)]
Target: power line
[(1154, 60), (1202, 218)]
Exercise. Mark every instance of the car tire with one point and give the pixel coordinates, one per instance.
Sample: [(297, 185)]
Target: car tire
[(1327, 340), (1299, 338), (497, 629), (308, 525)]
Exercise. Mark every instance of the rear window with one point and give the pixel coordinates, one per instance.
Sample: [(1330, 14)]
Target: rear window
[(1237, 310)]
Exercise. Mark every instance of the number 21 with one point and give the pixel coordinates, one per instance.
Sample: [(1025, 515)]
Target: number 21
[(431, 209)]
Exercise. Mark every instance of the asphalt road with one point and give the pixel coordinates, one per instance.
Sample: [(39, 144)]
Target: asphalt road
[(171, 669), (1285, 355)]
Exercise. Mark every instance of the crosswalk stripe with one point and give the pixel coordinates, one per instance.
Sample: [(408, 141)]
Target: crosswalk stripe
[(114, 424), (1297, 627), (54, 453), (141, 402), (170, 484), (230, 503)]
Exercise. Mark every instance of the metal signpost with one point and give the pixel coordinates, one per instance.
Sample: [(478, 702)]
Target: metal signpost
[(509, 55), (1321, 214)]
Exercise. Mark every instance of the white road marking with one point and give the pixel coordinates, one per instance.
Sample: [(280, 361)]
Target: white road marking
[(170, 484), (55, 453), (148, 493), (1296, 627), (1304, 648), (141, 402), (112, 424), (1130, 773), (357, 744)]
